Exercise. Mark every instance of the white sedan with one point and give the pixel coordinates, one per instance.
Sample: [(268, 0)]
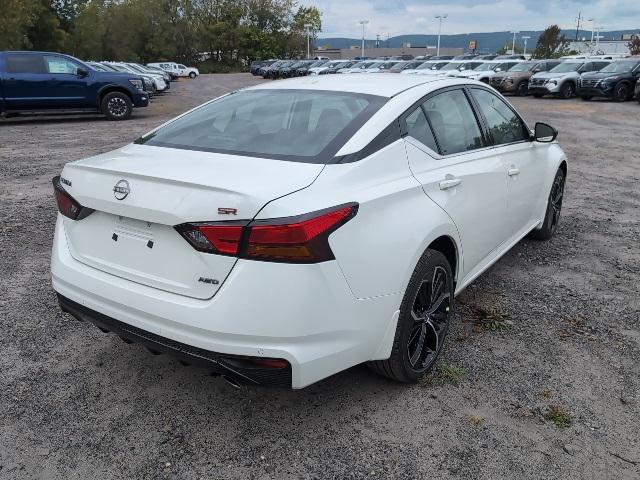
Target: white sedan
[(285, 232)]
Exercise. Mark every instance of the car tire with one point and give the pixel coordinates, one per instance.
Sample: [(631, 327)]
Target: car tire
[(523, 89), (423, 321), (192, 75), (586, 98), (621, 92), (567, 91), (116, 106), (554, 207)]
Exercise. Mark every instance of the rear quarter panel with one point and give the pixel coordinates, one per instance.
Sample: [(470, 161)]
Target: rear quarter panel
[(379, 248)]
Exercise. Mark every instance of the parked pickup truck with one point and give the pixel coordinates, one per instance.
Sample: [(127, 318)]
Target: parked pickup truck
[(37, 82)]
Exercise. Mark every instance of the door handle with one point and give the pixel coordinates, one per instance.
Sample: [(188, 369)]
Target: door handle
[(449, 183), (513, 171)]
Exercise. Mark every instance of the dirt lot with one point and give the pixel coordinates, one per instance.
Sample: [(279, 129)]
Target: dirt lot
[(540, 378)]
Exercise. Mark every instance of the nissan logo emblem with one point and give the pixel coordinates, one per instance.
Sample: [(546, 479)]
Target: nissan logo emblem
[(121, 190)]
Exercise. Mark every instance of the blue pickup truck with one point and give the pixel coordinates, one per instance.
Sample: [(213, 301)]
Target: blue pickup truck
[(39, 82)]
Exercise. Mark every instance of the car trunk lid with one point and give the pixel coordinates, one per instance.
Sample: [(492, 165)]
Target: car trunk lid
[(140, 193)]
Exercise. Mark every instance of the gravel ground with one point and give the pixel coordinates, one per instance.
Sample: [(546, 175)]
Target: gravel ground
[(540, 378)]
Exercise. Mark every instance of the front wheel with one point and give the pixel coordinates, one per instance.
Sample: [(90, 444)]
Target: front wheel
[(567, 91), (192, 75), (621, 92), (117, 106), (423, 322), (523, 89), (554, 206)]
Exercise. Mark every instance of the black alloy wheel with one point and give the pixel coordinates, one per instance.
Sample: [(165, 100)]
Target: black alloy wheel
[(423, 322), (554, 208), (621, 92), (567, 91)]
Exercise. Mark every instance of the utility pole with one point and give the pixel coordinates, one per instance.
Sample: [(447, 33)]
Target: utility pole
[(578, 24), (593, 27), (440, 18), (363, 23), (377, 40)]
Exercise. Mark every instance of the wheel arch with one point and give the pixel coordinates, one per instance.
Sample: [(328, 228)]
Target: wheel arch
[(112, 88), (446, 245)]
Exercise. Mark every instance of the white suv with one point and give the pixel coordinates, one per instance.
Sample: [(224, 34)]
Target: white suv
[(281, 248), (562, 79), (184, 71)]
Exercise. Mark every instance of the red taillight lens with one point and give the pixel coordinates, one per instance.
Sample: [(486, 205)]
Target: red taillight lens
[(67, 205), (302, 239), (213, 238)]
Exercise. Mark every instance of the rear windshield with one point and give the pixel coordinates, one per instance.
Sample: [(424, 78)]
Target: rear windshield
[(297, 125)]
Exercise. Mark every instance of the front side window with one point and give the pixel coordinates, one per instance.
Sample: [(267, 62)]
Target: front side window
[(418, 128), (294, 125), (504, 125), (453, 121), (60, 65), (25, 63)]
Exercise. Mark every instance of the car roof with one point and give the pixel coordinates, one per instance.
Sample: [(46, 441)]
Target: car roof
[(369, 84)]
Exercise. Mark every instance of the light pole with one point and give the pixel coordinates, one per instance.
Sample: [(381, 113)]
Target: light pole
[(440, 18), (513, 45), (525, 45), (593, 27), (363, 23), (307, 27)]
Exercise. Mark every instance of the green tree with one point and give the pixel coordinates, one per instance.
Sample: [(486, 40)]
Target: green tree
[(551, 43), (17, 17)]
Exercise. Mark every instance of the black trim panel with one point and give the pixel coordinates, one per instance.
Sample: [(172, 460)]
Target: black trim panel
[(236, 367)]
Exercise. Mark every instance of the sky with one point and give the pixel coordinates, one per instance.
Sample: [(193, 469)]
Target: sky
[(396, 17)]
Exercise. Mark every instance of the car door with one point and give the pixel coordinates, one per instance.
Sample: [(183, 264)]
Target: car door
[(522, 158), (67, 85), (25, 81), (448, 155)]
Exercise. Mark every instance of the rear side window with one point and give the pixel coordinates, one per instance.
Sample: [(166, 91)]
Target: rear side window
[(25, 63), (453, 121), (504, 125), (296, 125), (418, 128)]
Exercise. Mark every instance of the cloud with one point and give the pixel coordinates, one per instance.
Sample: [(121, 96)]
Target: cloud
[(396, 17)]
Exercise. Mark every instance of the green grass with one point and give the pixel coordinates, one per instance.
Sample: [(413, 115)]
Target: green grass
[(450, 373), (559, 416)]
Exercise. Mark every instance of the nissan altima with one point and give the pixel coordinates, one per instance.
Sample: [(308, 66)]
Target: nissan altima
[(285, 232)]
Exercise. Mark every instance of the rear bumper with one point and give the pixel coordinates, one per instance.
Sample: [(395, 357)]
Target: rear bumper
[(241, 369), (304, 314)]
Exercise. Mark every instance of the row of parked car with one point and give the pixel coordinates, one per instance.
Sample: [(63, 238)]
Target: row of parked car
[(45, 82), (582, 76)]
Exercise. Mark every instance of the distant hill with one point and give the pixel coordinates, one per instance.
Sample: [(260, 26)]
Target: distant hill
[(487, 42)]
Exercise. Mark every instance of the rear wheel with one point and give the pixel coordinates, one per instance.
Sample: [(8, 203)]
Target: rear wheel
[(117, 106), (554, 206), (621, 92), (423, 322)]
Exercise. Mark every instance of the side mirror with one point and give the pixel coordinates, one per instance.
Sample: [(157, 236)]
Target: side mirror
[(81, 72), (544, 133)]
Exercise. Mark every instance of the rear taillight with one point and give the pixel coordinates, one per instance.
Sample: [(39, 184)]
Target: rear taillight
[(67, 205), (301, 239)]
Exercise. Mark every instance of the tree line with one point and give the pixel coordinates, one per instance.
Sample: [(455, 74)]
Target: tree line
[(216, 34)]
